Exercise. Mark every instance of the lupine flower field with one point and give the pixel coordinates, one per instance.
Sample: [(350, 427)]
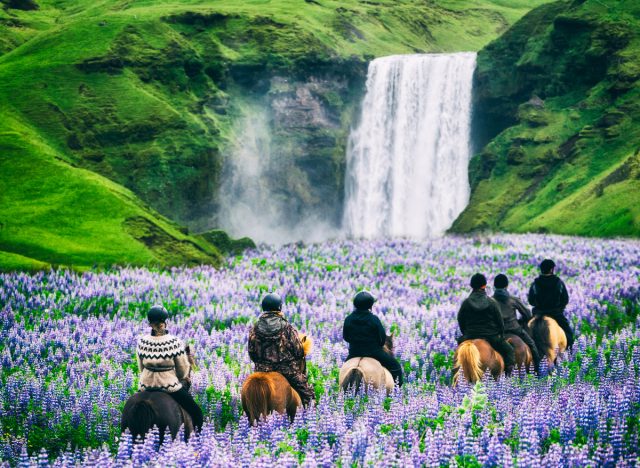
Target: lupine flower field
[(68, 341)]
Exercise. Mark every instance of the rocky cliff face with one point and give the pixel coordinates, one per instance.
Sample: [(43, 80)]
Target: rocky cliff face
[(310, 124)]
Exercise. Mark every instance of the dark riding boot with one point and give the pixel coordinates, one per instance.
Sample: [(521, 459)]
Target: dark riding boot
[(184, 399), (300, 384)]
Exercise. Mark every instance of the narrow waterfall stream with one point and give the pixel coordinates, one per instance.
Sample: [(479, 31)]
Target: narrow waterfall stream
[(407, 159)]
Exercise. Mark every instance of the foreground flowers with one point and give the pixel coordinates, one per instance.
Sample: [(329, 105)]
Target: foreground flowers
[(68, 343)]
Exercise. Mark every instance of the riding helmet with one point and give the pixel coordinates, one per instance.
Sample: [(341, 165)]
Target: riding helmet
[(547, 265), (157, 314), (271, 302), (501, 281), (478, 280), (364, 300)]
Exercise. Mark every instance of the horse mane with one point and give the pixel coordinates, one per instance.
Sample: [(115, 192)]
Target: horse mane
[(541, 334), (307, 343), (353, 380), (468, 359)]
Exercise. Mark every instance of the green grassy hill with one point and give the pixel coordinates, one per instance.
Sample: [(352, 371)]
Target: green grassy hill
[(559, 97), (114, 111)]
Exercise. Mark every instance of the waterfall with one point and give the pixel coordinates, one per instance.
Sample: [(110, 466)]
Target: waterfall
[(407, 159)]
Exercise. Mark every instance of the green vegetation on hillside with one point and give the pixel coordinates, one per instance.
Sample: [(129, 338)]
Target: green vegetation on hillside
[(561, 90), (146, 93), (53, 213)]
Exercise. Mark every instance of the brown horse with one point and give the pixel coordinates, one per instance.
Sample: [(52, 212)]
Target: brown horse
[(524, 358), (474, 357), (549, 338), (265, 392), (368, 370)]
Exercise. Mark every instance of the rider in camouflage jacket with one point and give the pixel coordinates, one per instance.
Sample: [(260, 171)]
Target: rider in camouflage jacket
[(274, 346)]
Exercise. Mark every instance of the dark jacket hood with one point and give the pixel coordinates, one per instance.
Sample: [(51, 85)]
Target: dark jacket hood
[(479, 299), (270, 324), (501, 294)]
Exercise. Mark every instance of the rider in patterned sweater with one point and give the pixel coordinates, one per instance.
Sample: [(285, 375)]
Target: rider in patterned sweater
[(164, 364)]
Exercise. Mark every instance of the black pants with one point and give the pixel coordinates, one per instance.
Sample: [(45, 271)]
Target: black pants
[(559, 317), (387, 361), (501, 345), (529, 342), (184, 399)]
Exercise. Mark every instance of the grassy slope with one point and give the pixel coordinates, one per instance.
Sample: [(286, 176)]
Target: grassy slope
[(572, 165), (142, 93), (53, 213)]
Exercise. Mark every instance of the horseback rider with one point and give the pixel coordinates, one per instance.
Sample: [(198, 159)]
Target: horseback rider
[(508, 306), (274, 346), (549, 296), (479, 317), (366, 335), (165, 365)]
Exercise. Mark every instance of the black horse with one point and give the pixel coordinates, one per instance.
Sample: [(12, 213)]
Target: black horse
[(147, 409)]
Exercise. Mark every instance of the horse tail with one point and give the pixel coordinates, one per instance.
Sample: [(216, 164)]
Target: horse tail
[(468, 359), (256, 394), (141, 418), (353, 380), (541, 334)]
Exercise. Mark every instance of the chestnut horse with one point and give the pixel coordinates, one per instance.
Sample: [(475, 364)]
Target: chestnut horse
[(523, 356), (368, 370), (474, 357), (549, 338), (265, 392)]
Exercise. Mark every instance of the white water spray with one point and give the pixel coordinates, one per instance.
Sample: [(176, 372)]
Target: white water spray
[(407, 161)]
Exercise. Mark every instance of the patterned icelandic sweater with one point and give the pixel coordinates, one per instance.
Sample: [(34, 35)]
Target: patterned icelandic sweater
[(163, 362)]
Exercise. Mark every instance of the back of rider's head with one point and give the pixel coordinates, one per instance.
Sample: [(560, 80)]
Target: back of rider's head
[(478, 281), (157, 314), (546, 266), (364, 300), (500, 281)]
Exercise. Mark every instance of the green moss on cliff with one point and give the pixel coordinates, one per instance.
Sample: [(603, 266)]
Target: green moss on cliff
[(559, 96)]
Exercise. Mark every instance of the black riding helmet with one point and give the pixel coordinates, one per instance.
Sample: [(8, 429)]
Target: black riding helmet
[(271, 302), (157, 314), (364, 300)]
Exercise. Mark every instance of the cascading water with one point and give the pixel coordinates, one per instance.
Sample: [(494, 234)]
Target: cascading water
[(408, 158)]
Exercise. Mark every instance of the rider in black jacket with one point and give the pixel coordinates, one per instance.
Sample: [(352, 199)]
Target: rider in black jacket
[(366, 336), (549, 296), (479, 317)]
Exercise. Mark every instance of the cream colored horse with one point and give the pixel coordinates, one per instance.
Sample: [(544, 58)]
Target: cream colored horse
[(369, 371), (550, 339)]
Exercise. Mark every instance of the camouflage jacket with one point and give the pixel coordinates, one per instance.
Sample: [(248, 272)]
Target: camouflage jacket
[(274, 344)]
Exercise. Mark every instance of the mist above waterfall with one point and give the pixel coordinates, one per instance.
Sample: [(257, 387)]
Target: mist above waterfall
[(253, 201), (407, 160)]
